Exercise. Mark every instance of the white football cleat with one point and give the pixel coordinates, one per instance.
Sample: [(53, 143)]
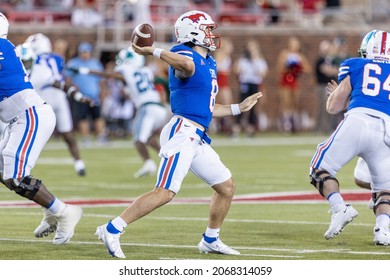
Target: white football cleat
[(47, 225), (67, 220), (381, 236), (79, 167), (217, 247), (111, 241), (339, 220), (149, 168)]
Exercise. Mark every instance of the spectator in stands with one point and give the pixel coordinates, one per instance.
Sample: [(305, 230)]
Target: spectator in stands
[(142, 12), (61, 47), (57, 4), (90, 86), (86, 14), (325, 71), (333, 4), (225, 96), (310, 12), (272, 10), (251, 69), (291, 63), (66, 4), (109, 12), (330, 10)]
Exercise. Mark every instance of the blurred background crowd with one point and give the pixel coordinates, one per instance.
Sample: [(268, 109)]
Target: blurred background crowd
[(289, 50)]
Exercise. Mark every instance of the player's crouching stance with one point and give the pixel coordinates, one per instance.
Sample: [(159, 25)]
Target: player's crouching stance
[(30, 124), (184, 143), (364, 132)]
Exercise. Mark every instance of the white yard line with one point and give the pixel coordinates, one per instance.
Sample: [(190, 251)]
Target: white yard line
[(295, 253)]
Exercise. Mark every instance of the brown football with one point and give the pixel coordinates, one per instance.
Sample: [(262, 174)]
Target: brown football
[(143, 35)]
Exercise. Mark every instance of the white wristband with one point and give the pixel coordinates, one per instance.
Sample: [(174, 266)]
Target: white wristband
[(235, 109), (157, 52), (70, 91), (84, 70), (78, 96)]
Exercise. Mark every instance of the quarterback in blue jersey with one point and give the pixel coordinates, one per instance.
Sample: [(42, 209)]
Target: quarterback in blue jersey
[(364, 91), (30, 122), (184, 143)]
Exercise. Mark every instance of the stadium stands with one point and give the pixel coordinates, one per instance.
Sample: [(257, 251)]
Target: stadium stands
[(254, 12)]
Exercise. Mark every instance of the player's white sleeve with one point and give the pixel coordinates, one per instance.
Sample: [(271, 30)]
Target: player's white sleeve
[(41, 77)]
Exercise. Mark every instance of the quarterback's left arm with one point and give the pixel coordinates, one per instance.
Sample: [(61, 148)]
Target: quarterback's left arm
[(338, 100), (235, 109)]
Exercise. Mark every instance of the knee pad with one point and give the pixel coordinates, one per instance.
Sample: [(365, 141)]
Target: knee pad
[(27, 188), (378, 201), (318, 182)]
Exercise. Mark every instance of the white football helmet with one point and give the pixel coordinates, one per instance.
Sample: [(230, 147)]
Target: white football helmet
[(196, 27), (363, 46), (25, 52), (128, 56), (378, 47), (39, 43), (4, 25), (27, 55)]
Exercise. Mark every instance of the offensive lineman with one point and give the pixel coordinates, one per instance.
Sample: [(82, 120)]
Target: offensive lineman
[(184, 143), (30, 124), (361, 172), (365, 132)]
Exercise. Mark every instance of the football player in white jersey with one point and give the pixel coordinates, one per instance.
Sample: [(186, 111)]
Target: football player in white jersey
[(151, 114), (364, 91), (31, 122), (44, 73), (185, 144)]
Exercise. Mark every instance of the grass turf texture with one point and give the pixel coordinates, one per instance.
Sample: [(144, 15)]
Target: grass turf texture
[(271, 231)]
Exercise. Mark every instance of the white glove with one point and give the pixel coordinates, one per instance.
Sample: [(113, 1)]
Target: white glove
[(84, 70), (78, 96)]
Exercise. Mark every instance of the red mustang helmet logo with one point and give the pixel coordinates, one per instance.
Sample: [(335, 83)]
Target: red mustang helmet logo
[(195, 17)]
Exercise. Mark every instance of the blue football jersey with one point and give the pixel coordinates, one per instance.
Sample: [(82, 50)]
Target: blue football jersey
[(194, 97), (13, 77), (54, 62), (370, 81)]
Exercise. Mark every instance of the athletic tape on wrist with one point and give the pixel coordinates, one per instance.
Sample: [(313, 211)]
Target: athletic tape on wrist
[(235, 109), (70, 91), (157, 52), (78, 96)]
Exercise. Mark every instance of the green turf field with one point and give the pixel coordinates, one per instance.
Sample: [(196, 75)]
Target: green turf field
[(266, 164)]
